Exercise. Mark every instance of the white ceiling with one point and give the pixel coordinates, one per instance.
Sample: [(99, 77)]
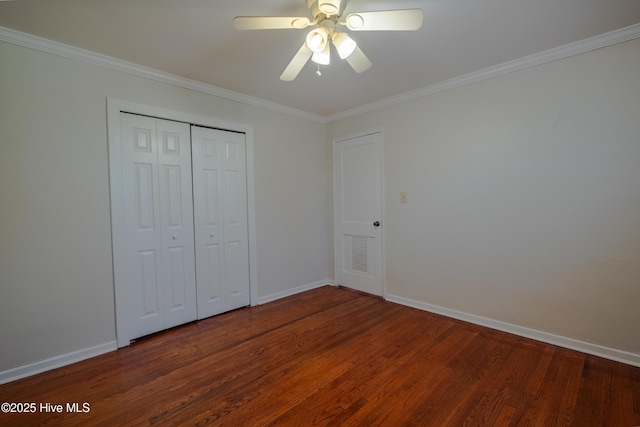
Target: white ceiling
[(196, 39)]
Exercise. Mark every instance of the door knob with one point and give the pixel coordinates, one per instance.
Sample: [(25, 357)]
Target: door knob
[(376, 224), (174, 237)]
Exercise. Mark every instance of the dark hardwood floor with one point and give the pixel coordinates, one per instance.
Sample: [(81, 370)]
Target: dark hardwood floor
[(332, 356)]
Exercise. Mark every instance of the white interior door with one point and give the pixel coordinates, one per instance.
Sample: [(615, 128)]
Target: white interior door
[(220, 193), (158, 221), (358, 213)]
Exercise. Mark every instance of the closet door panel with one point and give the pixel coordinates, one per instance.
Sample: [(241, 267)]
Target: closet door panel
[(176, 202), (208, 216), (142, 224), (158, 223), (236, 231), (222, 263)]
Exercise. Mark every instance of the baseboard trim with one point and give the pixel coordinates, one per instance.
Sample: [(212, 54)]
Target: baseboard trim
[(570, 343), (293, 291), (24, 371), (56, 362)]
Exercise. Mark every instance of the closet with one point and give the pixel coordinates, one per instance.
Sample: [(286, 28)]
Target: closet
[(184, 251)]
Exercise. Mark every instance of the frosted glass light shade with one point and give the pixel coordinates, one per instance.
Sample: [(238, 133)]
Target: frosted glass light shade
[(317, 39), (323, 58), (344, 44)]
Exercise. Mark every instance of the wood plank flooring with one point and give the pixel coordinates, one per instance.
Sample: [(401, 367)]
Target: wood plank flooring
[(332, 356)]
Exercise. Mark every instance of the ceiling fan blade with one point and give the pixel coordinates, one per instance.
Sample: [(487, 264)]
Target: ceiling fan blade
[(270, 22), (386, 20), (359, 61), (296, 64)]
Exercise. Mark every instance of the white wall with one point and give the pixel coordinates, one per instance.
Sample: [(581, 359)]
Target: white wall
[(523, 197), (56, 285)]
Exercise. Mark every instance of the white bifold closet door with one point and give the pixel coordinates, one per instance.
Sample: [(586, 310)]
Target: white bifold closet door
[(220, 215), (158, 220)]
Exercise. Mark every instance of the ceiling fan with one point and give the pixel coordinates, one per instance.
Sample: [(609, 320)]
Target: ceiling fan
[(327, 14)]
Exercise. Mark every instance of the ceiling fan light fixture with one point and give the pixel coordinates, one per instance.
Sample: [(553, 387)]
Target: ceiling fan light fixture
[(354, 21), (329, 7), (323, 57), (344, 44), (327, 16), (317, 40)]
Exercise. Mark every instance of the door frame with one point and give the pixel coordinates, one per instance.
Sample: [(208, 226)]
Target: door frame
[(382, 200), (114, 108)]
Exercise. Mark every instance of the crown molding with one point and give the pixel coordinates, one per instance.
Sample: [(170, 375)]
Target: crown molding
[(568, 50), (40, 44), (571, 49)]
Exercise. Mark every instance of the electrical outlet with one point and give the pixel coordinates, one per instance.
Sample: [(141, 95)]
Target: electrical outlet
[(403, 197)]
